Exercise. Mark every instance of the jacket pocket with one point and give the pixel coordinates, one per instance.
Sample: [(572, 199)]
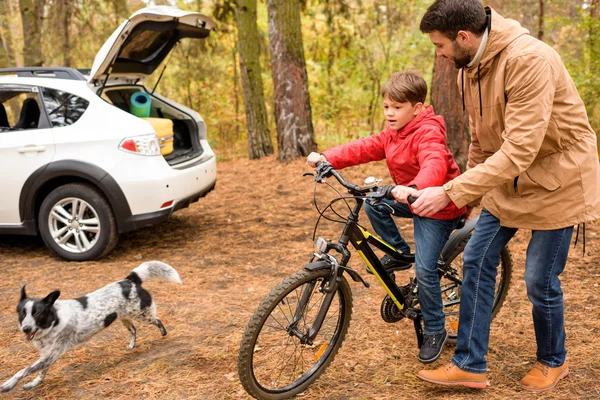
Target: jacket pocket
[(544, 178)]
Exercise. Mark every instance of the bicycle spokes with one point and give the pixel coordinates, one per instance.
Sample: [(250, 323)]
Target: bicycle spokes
[(283, 352)]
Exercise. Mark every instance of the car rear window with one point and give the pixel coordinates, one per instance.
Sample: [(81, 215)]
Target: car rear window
[(63, 108)]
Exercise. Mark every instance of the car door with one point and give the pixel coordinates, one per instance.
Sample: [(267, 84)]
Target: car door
[(26, 144)]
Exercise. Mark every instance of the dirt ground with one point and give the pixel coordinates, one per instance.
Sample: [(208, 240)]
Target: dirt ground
[(231, 249)]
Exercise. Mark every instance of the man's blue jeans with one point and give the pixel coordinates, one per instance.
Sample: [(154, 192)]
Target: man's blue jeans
[(545, 260), (431, 236)]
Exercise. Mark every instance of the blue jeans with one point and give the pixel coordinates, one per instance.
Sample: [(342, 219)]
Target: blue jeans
[(431, 236), (545, 260)]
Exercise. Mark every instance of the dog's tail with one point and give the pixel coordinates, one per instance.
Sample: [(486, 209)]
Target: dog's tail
[(157, 269)]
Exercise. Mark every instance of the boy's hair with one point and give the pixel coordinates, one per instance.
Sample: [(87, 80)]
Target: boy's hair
[(450, 16), (405, 86)]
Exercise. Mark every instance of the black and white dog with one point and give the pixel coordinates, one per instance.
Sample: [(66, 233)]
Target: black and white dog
[(57, 326)]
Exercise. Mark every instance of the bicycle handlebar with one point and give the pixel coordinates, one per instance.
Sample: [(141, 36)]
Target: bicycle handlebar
[(325, 169)]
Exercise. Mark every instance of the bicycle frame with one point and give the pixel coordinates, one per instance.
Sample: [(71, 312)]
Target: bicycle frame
[(361, 240)]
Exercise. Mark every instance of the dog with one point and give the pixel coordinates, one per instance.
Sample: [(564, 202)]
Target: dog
[(57, 326)]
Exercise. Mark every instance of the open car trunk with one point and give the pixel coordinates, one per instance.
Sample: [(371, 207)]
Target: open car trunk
[(134, 51), (186, 143)]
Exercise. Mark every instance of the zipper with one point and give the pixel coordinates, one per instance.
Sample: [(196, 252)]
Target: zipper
[(515, 184)]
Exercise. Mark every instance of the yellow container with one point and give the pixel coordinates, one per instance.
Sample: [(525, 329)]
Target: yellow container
[(164, 131)]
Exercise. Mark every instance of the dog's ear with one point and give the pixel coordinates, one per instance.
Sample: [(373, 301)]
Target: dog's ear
[(23, 294), (51, 298)]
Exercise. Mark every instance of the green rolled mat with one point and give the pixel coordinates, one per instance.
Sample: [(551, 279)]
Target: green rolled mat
[(140, 105)]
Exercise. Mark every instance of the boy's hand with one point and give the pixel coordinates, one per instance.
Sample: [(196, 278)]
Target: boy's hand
[(401, 193), (313, 158)]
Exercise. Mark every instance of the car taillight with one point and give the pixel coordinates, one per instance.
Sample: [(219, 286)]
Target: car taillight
[(145, 145), (167, 204)]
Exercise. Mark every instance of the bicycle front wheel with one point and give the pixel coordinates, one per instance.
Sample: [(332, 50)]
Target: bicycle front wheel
[(273, 362)]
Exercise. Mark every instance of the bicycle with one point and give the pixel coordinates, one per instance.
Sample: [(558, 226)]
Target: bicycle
[(298, 328)]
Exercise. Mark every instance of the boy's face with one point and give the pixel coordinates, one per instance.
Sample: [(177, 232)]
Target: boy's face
[(399, 114)]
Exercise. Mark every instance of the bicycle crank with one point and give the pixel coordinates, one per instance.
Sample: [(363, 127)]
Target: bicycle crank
[(390, 312)]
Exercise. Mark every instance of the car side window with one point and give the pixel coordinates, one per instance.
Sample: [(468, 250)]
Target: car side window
[(19, 109), (63, 108)]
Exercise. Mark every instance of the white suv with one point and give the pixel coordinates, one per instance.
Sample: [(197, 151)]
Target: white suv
[(77, 167)]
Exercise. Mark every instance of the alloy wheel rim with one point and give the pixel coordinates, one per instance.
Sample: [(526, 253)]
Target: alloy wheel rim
[(74, 225)]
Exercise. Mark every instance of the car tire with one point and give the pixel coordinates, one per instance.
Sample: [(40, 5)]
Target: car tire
[(88, 233)]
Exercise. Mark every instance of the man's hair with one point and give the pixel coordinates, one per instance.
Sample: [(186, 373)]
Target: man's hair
[(450, 16), (405, 86)]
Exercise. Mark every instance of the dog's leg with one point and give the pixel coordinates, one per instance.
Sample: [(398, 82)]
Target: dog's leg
[(40, 365), (131, 328), (149, 316), (156, 322), (38, 379)]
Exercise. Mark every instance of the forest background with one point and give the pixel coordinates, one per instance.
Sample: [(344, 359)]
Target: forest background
[(350, 48)]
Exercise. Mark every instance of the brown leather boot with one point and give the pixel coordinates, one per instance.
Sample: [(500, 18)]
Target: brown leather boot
[(541, 377), (451, 375)]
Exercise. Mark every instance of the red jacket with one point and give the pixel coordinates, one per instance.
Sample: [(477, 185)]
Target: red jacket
[(415, 155)]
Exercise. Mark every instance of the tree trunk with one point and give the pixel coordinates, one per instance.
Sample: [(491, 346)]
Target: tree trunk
[(11, 19), (66, 9), (295, 134), (259, 139), (447, 101), (32, 16), (6, 57), (594, 38), (541, 21)]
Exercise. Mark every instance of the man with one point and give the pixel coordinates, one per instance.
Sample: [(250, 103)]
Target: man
[(533, 160)]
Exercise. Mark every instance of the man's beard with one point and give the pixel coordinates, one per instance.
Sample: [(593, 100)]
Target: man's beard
[(461, 56)]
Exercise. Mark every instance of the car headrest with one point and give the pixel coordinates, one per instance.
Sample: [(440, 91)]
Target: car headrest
[(30, 115), (3, 117)]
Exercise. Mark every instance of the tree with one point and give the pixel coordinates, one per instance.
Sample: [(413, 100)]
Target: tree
[(32, 13), (295, 133), (259, 139), (541, 21), (447, 101)]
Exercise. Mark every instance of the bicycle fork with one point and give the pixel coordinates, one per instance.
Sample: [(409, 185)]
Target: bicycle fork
[(308, 337)]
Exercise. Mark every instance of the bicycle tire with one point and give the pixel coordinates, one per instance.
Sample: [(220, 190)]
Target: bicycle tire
[(249, 348), (505, 274)]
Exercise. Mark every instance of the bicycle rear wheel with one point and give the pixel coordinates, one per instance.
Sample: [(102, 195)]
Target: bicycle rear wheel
[(273, 363), (451, 289)]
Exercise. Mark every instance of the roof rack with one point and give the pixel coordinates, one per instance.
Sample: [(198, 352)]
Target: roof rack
[(45, 72)]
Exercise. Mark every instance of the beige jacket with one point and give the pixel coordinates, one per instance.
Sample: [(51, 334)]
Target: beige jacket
[(533, 155)]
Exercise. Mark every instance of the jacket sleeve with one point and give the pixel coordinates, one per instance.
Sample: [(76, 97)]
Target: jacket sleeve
[(433, 157), (357, 152), (530, 87)]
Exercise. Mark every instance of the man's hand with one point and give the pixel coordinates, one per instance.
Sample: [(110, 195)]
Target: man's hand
[(313, 158), (430, 201), (401, 193)]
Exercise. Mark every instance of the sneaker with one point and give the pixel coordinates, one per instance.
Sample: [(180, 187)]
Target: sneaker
[(393, 264), (432, 347)]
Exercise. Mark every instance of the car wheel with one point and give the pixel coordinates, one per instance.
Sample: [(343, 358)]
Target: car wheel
[(77, 223)]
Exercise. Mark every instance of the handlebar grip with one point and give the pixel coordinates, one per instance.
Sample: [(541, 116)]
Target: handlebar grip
[(387, 192), (411, 199)]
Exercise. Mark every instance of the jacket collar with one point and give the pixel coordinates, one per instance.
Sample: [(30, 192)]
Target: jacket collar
[(428, 116), (502, 33)]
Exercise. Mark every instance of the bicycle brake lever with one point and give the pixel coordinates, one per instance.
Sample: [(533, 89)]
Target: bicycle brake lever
[(374, 200)]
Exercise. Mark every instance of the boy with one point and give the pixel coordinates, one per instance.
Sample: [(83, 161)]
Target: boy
[(414, 146)]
